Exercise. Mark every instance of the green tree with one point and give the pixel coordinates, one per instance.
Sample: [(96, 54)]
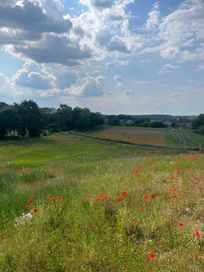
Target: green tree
[(65, 117), (30, 118)]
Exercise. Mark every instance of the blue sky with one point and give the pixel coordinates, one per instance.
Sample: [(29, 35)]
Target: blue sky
[(112, 56)]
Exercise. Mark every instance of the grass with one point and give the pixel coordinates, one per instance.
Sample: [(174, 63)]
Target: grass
[(84, 222)]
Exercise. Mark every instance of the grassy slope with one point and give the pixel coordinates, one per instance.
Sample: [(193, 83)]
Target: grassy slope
[(79, 233)]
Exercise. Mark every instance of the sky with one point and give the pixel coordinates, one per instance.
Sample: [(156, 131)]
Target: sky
[(112, 56)]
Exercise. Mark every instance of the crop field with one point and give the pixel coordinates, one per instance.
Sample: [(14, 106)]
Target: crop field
[(134, 135), (152, 136), (74, 204)]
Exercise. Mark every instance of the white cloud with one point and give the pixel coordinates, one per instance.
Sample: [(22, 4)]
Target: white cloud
[(153, 18), (167, 68), (180, 29), (89, 88), (33, 77)]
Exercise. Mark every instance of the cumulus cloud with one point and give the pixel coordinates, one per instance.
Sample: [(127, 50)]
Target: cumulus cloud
[(167, 68), (34, 79), (55, 49), (30, 17), (89, 88)]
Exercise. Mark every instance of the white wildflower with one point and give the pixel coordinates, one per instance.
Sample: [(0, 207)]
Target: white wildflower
[(23, 219)]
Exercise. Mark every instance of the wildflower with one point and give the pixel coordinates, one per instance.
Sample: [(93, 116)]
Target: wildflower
[(159, 243), (52, 198), (103, 198), (139, 209), (119, 199), (174, 189), (152, 196), (27, 207), (35, 210), (124, 193), (151, 256), (145, 197), (197, 233), (168, 198), (23, 219), (181, 225), (59, 198), (174, 196), (30, 201), (97, 198)]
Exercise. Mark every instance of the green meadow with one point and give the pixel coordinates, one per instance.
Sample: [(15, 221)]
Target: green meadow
[(73, 204)]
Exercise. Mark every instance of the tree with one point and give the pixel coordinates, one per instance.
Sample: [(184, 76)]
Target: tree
[(30, 118), (65, 117)]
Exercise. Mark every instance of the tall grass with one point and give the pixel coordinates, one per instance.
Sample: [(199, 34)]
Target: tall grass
[(100, 207)]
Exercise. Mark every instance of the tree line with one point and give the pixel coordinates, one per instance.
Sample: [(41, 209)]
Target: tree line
[(198, 124), (28, 119)]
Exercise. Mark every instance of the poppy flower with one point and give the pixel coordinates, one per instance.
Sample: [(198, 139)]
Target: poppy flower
[(175, 196), (103, 198), (151, 256), (124, 193), (145, 197), (197, 233), (181, 225), (35, 210), (168, 198), (30, 201), (152, 196), (27, 207), (97, 198), (52, 198), (159, 243), (174, 189), (119, 199), (59, 198), (139, 209)]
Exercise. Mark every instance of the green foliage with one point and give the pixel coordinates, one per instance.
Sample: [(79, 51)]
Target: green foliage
[(198, 124), (28, 119)]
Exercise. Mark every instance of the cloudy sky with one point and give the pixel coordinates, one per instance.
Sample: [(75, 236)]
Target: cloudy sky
[(112, 56)]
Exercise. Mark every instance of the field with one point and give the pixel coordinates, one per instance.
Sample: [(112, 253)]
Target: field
[(152, 136), (74, 204)]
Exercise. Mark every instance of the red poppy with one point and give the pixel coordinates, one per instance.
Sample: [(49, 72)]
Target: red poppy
[(174, 189), (35, 210), (59, 198), (97, 198), (103, 198), (159, 243), (145, 197), (181, 225), (139, 209), (52, 198), (124, 193), (151, 256), (119, 199), (174, 196), (152, 196), (197, 233), (27, 207), (168, 198), (30, 201)]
